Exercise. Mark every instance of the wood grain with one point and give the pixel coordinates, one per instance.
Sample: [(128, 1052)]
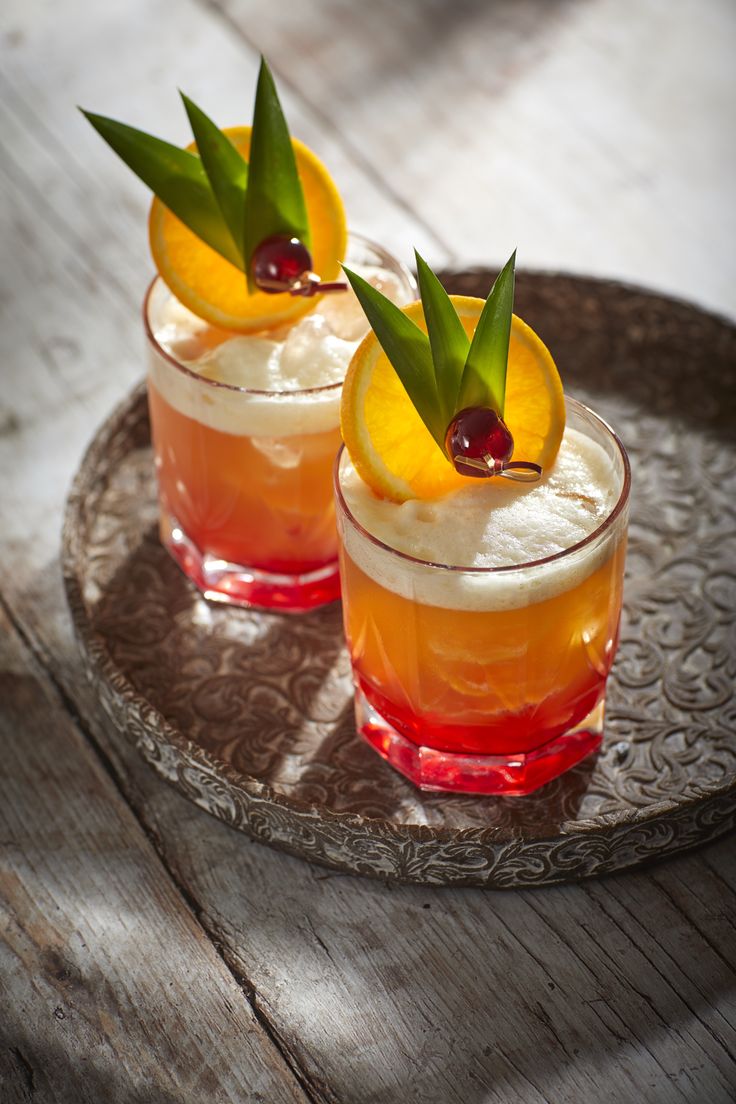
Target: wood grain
[(624, 986), (592, 135), (620, 990), (474, 996), (608, 991), (112, 991)]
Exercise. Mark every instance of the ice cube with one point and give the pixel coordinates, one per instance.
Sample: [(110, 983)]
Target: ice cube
[(343, 312), (243, 362), (312, 356), (278, 451)]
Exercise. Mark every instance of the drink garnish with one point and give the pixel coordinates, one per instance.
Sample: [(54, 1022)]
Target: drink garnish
[(449, 388), (456, 384), (242, 200), (275, 210)]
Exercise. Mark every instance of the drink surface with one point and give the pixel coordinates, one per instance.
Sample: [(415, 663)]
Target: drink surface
[(291, 375), (489, 524)]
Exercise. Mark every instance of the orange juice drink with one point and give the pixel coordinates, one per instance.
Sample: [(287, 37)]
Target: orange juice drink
[(482, 624), (245, 430)]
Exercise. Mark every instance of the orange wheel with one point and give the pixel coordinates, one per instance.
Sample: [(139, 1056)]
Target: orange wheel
[(390, 446), (215, 289)]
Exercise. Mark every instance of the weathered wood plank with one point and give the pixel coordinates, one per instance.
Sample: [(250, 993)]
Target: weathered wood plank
[(129, 64), (381, 993), (594, 135), (73, 219), (571, 993), (110, 988), (618, 990)]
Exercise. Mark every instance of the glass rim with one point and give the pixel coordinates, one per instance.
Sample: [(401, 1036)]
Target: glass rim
[(607, 523), (392, 264)]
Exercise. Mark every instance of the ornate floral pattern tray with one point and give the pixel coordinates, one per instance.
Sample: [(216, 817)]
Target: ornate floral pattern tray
[(250, 714)]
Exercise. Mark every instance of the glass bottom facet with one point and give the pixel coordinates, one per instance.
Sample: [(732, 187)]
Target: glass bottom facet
[(511, 774), (252, 588)]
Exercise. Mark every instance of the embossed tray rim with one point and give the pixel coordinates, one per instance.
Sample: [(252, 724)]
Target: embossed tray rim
[(105, 668)]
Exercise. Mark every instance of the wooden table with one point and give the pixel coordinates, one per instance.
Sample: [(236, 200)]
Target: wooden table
[(149, 953)]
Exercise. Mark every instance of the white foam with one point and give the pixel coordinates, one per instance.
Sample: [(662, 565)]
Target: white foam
[(489, 524), (311, 356)]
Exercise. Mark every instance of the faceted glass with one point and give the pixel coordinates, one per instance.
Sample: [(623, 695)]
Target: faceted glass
[(245, 476), (507, 693)]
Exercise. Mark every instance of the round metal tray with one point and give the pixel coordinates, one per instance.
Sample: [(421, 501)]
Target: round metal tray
[(250, 714)]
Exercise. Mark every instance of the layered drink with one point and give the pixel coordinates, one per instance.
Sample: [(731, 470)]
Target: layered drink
[(245, 431), (250, 326), (482, 520), (482, 625)]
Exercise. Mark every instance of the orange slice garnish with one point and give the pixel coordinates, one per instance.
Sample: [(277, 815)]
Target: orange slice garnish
[(393, 451), (215, 289)]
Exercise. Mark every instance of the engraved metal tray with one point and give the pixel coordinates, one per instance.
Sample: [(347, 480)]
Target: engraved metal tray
[(250, 714)]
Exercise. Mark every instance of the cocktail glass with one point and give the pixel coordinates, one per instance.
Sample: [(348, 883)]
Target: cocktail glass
[(488, 680), (245, 476)]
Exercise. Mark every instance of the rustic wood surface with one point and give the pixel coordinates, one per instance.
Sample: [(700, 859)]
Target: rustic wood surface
[(148, 953)]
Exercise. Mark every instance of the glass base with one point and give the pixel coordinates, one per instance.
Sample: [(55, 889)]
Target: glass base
[(253, 588), (510, 775)]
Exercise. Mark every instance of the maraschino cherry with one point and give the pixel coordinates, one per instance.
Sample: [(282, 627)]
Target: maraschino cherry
[(283, 264), (479, 444), (279, 263)]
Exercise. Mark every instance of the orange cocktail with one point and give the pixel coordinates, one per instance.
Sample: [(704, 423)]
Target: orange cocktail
[(251, 326), (488, 680), (245, 431), (247, 499)]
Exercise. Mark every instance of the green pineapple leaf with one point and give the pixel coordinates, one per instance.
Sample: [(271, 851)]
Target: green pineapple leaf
[(227, 170), (444, 372), (408, 349), (176, 176), (447, 337), (484, 377), (274, 200)]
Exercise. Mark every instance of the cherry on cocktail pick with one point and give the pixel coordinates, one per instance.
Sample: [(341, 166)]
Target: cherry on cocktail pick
[(279, 263), (283, 264), (479, 444)]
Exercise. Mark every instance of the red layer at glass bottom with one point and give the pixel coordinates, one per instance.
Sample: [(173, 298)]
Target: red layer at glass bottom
[(511, 774), (253, 588)]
